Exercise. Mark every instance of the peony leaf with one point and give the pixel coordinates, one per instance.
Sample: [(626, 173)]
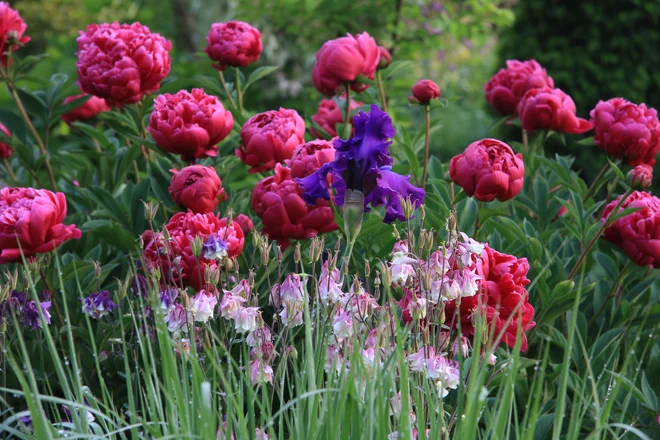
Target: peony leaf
[(258, 74)]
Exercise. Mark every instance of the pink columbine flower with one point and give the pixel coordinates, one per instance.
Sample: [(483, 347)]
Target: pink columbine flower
[(245, 319)]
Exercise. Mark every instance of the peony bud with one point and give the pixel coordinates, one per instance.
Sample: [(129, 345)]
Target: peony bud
[(385, 58), (640, 177), (424, 91)]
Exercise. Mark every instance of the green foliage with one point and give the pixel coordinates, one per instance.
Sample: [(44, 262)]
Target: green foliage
[(594, 49)]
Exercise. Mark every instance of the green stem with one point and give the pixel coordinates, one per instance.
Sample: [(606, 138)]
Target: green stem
[(347, 112), (427, 141), (594, 184), (477, 223), (595, 238), (381, 89), (239, 94), (10, 170), (226, 89), (615, 289)]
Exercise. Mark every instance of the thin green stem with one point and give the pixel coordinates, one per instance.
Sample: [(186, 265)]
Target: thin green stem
[(226, 89), (381, 89), (10, 170), (525, 140), (594, 184), (347, 112), (615, 290), (239, 93), (427, 141)]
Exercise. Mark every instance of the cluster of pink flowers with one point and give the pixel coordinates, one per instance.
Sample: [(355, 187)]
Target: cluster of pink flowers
[(5, 148), (172, 253), (330, 113)]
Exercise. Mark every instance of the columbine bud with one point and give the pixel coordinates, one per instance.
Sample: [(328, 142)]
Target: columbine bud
[(422, 212), (367, 268), (408, 207), (265, 252), (377, 285), (197, 244), (97, 269), (33, 265), (150, 210), (230, 217), (229, 264), (427, 281), (279, 254), (422, 240), (316, 248), (296, 254), (385, 273), (212, 276), (640, 177), (353, 214)]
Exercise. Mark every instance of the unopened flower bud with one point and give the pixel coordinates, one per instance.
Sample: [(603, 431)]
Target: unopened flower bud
[(422, 212), (197, 244), (265, 252), (353, 214), (97, 269), (150, 210), (408, 207), (229, 264), (640, 177), (292, 352), (385, 58), (385, 273), (426, 281), (367, 268), (212, 276), (296, 254)]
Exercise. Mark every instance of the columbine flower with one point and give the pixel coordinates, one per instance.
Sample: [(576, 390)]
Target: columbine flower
[(260, 372), (214, 248), (230, 304), (259, 336), (333, 359), (363, 164), (342, 325), (98, 304), (167, 298), (401, 268), (31, 313), (468, 282), (245, 319), (178, 318), (203, 305), (292, 289), (329, 286)]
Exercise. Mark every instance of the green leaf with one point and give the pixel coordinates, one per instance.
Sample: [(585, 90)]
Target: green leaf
[(394, 68), (586, 141), (258, 74)]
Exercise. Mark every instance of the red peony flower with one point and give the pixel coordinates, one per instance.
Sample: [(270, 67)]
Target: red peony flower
[(640, 177), (198, 188), (12, 30), (550, 109), (342, 61), (330, 113), (424, 91), (505, 89), (627, 130), (270, 138), (278, 201), (121, 63), (174, 256), (31, 223), (190, 124), (233, 44), (245, 223), (310, 157), (488, 169), (503, 296), (385, 58), (5, 149), (91, 108), (638, 233)]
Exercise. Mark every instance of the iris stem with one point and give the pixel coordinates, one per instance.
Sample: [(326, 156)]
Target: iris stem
[(226, 89), (595, 238), (239, 94), (427, 141), (347, 112), (10, 170), (28, 122), (381, 89)]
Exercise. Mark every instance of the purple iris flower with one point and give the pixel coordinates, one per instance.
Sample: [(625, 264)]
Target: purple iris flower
[(363, 163), (98, 304)]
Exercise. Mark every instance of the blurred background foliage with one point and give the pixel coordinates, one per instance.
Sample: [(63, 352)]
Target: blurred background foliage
[(457, 43)]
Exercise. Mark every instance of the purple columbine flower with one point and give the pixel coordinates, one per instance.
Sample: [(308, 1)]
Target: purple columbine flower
[(139, 286), (363, 163), (167, 298), (98, 304), (214, 248), (31, 313)]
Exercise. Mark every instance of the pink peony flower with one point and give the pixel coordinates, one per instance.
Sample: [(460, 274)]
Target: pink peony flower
[(640, 177), (12, 31), (385, 58), (245, 222), (505, 89), (31, 223), (488, 169), (174, 256), (278, 201), (309, 157), (424, 91), (233, 44), (342, 61), (190, 124), (198, 188), (627, 130), (5, 149), (330, 113), (90, 109), (550, 109), (270, 138), (121, 63), (638, 233)]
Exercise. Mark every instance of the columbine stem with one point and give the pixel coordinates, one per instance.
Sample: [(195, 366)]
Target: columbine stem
[(10, 170), (28, 122), (594, 184), (593, 241), (427, 141), (381, 89), (239, 94), (226, 89)]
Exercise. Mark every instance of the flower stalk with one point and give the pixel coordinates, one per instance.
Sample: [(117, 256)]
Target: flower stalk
[(427, 141)]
